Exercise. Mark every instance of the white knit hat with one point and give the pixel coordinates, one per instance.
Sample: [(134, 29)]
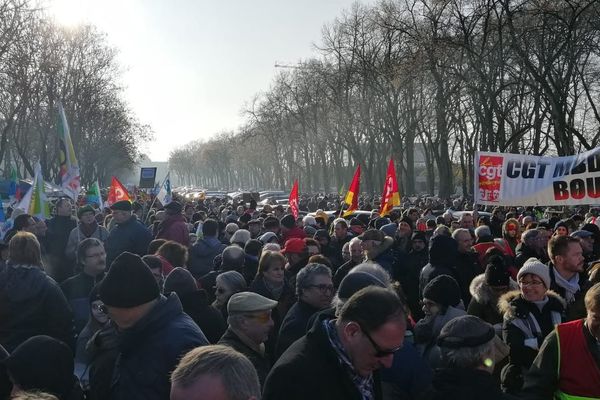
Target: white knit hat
[(536, 267)]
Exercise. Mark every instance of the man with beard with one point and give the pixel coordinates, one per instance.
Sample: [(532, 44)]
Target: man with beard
[(567, 277)]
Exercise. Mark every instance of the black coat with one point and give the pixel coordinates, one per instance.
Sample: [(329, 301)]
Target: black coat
[(408, 276), (77, 292), (151, 349), (467, 268), (524, 253), (208, 318), (261, 363), (31, 303), (294, 325), (57, 236), (516, 330), (443, 252), (459, 384), (310, 369)]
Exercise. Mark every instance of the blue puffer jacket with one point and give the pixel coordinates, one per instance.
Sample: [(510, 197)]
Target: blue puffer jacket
[(150, 350), (131, 236), (202, 254)]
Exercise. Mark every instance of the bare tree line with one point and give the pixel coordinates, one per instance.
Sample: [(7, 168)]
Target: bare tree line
[(445, 78), (42, 63)]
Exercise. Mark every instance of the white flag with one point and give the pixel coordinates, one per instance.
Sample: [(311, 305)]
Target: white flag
[(164, 194)]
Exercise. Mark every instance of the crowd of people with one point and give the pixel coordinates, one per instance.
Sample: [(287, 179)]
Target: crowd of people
[(223, 300)]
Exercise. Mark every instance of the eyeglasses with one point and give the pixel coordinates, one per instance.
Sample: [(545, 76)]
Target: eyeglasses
[(323, 288), (532, 283), (220, 290), (379, 352), (99, 307)]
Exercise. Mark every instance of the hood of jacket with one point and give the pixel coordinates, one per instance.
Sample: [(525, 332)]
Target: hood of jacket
[(483, 293), (23, 282), (208, 245), (165, 309), (443, 251), (512, 305)]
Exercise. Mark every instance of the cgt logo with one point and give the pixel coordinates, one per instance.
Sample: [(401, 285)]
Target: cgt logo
[(490, 177), (490, 172)]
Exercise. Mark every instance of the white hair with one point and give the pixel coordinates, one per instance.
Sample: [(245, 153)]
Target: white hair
[(271, 247)]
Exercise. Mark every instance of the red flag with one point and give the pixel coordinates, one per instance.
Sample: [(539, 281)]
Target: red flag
[(390, 197), (293, 200), (352, 195), (117, 192)]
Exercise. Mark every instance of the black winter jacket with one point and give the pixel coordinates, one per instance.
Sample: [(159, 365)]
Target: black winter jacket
[(261, 362), (31, 303), (310, 369), (294, 325), (130, 236), (150, 350), (524, 329)]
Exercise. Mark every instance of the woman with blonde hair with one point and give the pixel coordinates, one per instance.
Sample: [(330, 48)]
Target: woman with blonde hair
[(31, 303)]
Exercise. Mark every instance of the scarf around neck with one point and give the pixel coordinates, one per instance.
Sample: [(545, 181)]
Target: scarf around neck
[(571, 286)]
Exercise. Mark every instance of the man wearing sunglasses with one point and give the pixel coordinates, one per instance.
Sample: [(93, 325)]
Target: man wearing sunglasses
[(339, 358), (250, 323)]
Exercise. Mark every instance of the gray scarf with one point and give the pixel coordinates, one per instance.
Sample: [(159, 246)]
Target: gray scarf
[(571, 286)]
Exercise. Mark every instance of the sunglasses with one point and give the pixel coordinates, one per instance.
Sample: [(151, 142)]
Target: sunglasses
[(263, 318), (379, 352)]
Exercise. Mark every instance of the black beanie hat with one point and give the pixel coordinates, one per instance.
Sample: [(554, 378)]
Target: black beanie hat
[(355, 281), (444, 290), (129, 283), (42, 363), (180, 281), (496, 273)]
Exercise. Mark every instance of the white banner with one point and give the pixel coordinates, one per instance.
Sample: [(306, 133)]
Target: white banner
[(505, 179)]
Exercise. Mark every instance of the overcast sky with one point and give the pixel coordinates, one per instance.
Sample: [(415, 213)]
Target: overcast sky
[(190, 66)]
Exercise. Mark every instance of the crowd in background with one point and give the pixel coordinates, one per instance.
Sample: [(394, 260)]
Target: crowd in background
[(220, 299)]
